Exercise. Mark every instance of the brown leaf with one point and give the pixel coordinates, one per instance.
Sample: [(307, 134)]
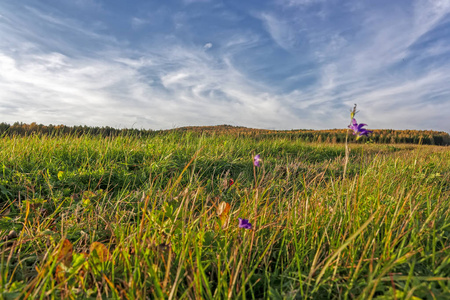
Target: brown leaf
[(65, 253), (102, 251), (60, 273), (64, 260), (223, 208), (222, 211)]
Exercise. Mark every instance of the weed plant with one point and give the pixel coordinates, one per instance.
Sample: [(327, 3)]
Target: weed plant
[(157, 218)]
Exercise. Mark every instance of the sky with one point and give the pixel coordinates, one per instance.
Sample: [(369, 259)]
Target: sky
[(273, 64)]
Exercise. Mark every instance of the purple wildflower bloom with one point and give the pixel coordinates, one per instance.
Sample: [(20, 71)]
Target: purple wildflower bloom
[(244, 223), (256, 160), (358, 129)]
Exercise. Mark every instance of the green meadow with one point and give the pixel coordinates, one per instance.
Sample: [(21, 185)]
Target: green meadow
[(86, 217)]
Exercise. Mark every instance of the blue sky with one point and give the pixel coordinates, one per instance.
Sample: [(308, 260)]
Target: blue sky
[(276, 64)]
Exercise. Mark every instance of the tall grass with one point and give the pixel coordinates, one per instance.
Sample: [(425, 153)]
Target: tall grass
[(124, 217)]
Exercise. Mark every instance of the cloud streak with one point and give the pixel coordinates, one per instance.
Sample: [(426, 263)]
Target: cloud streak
[(274, 72)]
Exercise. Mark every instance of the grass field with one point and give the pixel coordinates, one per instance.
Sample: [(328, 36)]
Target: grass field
[(157, 218)]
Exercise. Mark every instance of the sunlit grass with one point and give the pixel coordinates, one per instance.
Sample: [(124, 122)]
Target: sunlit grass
[(156, 205)]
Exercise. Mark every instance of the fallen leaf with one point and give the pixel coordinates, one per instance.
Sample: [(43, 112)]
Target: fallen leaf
[(65, 253), (64, 260), (223, 208), (101, 250)]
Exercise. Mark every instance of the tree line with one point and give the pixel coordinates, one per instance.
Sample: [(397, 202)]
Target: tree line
[(23, 129), (381, 136)]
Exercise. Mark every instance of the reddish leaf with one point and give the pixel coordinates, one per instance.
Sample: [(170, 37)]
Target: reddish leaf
[(64, 260), (101, 250), (223, 209), (65, 253)]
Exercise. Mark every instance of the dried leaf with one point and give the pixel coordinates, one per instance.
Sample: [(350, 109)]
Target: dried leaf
[(64, 260), (222, 211), (101, 250), (60, 273), (223, 208), (65, 253)]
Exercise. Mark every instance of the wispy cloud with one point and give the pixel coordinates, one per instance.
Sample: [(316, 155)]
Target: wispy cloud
[(286, 66), (171, 85), (207, 46), (137, 23), (377, 67), (280, 30), (299, 2)]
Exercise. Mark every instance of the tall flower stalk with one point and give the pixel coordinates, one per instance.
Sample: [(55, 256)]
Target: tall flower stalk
[(256, 164), (357, 130), (347, 150)]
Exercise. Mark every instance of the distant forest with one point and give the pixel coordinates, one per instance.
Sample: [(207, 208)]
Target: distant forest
[(380, 136)]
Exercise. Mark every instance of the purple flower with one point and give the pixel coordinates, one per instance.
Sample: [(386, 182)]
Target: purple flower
[(358, 129), (243, 223), (256, 160)]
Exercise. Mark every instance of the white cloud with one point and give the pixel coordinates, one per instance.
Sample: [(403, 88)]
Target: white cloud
[(118, 90), (137, 23), (298, 2), (377, 67), (280, 30), (170, 82), (428, 13)]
